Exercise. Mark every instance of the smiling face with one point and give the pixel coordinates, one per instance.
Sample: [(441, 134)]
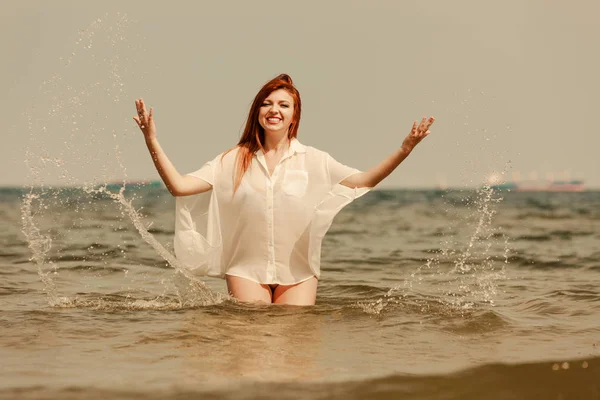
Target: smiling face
[(276, 112)]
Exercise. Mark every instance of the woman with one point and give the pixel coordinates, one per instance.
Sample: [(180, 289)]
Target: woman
[(256, 214)]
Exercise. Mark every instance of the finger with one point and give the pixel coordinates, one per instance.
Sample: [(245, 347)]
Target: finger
[(414, 128), (430, 122), (422, 125), (139, 108), (137, 121), (151, 114), (143, 107)]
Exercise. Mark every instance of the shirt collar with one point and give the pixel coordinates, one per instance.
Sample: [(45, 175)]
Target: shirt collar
[(296, 146)]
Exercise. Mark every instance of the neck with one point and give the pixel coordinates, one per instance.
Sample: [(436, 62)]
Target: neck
[(275, 141)]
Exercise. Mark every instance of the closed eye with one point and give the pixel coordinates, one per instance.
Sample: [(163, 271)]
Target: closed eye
[(268, 104)]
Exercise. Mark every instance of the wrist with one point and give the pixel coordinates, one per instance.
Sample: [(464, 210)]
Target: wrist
[(406, 149)]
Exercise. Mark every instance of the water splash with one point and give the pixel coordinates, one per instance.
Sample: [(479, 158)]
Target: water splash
[(68, 134), (207, 296), (461, 275), (39, 244), (475, 269)]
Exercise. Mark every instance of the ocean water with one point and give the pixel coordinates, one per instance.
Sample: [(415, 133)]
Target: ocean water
[(471, 294)]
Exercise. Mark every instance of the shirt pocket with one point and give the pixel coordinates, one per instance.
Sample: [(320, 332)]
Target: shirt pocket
[(295, 182)]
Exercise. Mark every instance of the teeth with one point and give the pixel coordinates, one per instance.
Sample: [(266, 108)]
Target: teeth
[(273, 119)]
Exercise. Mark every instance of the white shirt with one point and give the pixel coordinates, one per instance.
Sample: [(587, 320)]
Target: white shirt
[(271, 230)]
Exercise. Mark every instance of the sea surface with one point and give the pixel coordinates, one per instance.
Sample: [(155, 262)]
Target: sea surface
[(424, 294)]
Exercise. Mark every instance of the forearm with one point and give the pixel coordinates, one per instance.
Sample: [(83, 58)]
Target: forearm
[(167, 171), (373, 176), (378, 173)]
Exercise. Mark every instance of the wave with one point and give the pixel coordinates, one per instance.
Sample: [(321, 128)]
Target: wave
[(559, 379), (99, 269), (8, 291), (560, 235), (532, 262)]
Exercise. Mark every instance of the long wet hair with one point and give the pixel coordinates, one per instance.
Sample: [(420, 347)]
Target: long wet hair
[(253, 137)]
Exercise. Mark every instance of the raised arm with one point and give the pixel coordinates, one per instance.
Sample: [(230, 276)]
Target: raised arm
[(177, 184), (378, 173)]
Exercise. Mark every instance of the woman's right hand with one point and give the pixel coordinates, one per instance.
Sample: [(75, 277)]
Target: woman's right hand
[(145, 120)]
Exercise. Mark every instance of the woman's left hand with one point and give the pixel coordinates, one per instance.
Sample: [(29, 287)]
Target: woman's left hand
[(417, 133)]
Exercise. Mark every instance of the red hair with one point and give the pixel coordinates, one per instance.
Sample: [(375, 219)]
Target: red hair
[(253, 136)]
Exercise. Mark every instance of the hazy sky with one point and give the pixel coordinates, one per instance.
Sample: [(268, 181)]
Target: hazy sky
[(514, 85)]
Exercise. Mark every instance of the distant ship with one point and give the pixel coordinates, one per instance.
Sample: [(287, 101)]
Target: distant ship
[(542, 186)]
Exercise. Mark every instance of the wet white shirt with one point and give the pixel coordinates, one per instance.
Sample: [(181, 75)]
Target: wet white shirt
[(271, 230)]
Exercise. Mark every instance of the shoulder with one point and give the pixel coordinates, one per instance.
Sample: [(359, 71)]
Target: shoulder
[(313, 152), (227, 157), (318, 158), (315, 161)]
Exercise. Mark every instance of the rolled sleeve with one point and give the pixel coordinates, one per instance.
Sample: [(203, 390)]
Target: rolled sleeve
[(338, 171), (206, 173)]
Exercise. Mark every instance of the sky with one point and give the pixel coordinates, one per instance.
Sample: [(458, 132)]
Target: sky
[(513, 85)]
